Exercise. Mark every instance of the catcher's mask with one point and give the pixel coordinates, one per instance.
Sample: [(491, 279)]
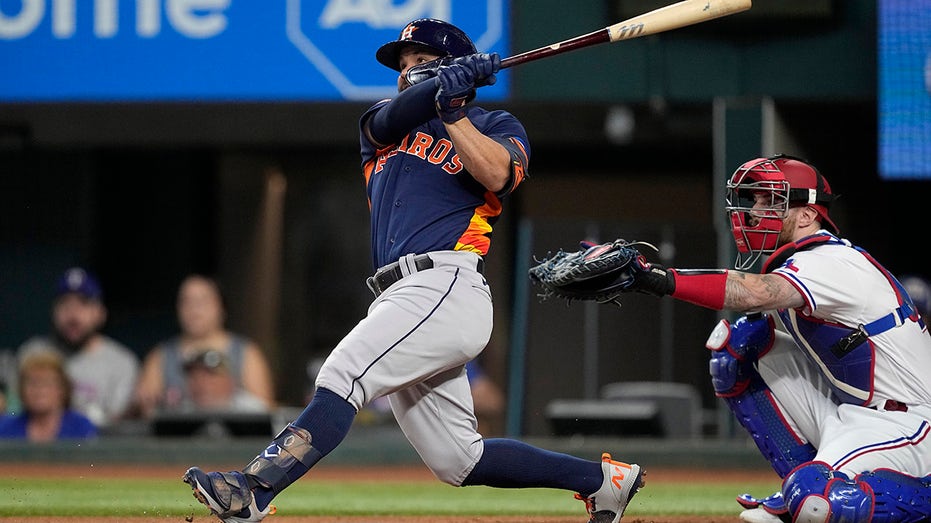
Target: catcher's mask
[(760, 193), (443, 37)]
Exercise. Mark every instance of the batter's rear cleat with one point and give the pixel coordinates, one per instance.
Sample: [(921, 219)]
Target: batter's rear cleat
[(227, 495), (621, 482)]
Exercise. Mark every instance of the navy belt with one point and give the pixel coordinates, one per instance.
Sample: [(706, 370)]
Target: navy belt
[(391, 273)]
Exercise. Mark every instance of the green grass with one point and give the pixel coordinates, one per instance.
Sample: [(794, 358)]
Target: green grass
[(161, 497)]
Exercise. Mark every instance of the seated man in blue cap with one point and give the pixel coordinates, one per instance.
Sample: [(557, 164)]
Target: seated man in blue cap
[(102, 369)]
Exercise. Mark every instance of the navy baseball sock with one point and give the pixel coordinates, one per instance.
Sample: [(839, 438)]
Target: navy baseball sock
[(327, 418), (508, 463)]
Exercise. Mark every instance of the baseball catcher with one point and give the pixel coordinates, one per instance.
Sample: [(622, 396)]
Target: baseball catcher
[(838, 398)]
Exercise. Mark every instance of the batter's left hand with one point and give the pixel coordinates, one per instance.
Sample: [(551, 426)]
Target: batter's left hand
[(457, 89)]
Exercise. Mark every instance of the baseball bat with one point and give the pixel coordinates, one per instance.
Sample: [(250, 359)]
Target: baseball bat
[(673, 16)]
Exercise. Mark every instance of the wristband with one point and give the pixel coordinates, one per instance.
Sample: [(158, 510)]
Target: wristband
[(703, 287), (451, 109)]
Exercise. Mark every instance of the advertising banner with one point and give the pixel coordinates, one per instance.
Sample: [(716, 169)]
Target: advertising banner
[(220, 50)]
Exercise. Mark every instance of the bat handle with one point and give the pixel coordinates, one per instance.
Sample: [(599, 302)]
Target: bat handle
[(595, 37), (512, 61)]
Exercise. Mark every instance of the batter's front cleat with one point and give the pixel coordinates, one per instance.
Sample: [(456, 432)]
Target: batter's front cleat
[(621, 482), (227, 495)]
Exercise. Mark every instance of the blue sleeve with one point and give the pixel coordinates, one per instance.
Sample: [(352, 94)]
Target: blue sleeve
[(412, 107)]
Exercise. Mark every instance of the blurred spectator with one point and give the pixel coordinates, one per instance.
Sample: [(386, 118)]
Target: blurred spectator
[(8, 369), (102, 370), (201, 316), (45, 394), (487, 398), (920, 291), (212, 387)]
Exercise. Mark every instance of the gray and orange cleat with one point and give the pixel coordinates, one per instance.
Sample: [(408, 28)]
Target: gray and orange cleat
[(621, 482), (227, 495)]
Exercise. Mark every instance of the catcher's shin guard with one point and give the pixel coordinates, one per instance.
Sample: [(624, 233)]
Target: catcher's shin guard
[(735, 350), (290, 450)]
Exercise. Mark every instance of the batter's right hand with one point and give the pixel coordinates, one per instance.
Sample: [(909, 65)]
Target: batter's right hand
[(457, 89), (483, 67)]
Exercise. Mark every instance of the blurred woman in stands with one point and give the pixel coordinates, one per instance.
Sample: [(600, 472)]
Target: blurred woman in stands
[(201, 316), (45, 395)]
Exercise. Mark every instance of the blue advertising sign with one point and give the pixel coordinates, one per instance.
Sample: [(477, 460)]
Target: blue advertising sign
[(220, 50)]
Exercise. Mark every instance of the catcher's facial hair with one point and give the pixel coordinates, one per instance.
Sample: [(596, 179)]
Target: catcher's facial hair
[(674, 16)]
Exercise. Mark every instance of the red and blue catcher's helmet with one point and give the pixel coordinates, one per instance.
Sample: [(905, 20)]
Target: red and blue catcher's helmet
[(760, 193), (443, 37)]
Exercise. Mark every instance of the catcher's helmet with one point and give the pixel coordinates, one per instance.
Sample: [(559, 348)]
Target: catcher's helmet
[(443, 37), (760, 193)]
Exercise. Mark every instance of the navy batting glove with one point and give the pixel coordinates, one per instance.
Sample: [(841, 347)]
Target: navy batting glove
[(483, 67), (457, 88)]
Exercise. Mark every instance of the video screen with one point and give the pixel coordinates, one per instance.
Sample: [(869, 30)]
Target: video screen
[(904, 63)]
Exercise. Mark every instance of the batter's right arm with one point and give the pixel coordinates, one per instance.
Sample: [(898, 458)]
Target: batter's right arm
[(485, 159)]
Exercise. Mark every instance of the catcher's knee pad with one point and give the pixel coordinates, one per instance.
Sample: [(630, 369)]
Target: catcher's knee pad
[(735, 349), (815, 493), (898, 498)]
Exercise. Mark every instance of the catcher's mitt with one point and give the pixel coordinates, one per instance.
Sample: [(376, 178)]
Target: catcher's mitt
[(596, 272)]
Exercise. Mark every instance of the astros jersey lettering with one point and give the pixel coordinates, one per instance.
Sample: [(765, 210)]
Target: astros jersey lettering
[(421, 197)]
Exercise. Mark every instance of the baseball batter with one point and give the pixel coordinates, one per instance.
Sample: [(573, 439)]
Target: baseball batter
[(838, 399), (437, 170)]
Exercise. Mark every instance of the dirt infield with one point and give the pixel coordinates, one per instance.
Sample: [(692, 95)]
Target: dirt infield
[(414, 473)]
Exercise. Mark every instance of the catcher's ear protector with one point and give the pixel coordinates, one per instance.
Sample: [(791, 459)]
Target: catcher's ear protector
[(759, 195), (443, 37)]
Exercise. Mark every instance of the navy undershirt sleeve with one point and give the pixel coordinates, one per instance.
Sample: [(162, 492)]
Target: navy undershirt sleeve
[(412, 107)]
